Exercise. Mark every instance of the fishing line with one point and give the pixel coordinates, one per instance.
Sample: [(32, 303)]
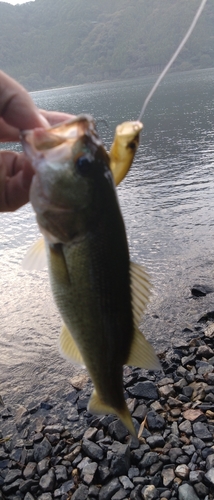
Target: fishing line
[(175, 55)]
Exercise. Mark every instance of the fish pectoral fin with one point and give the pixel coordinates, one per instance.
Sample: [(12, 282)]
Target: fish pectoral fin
[(35, 258), (140, 289), (96, 406), (142, 354), (68, 347)]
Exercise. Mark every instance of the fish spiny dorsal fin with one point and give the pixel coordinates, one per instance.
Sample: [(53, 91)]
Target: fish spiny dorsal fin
[(68, 347), (35, 258), (97, 406), (142, 353)]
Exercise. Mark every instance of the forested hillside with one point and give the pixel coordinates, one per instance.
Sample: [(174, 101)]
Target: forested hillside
[(49, 43)]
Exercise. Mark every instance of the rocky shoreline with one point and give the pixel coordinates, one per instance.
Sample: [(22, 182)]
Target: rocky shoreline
[(55, 449)]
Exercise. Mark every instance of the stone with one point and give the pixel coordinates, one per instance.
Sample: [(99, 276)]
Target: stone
[(92, 449), (201, 490), (108, 490), (185, 427), (193, 415), (210, 461), (168, 476), (66, 487), (120, 462), (126, 483), (120, 494), (117, 430), (81, 493), (196, 476), (148, 459), (12, 476), (149, 492), (187, 492), (155, 421), (166, 390), (30, 470), (182, 471), (47, 482), (201, 430), (145, 390), (28, 496), (79, 381), (61, 473), (209, 477), (88, 472), (42, 450), (43, 466), (155, 441)]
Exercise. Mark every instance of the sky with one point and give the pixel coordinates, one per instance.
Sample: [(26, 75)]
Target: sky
[(14, 2)]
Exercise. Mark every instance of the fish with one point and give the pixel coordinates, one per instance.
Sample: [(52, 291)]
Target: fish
[(99, 292)]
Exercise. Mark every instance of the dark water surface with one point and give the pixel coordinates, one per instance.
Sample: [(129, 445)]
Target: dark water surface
[(167, 202)]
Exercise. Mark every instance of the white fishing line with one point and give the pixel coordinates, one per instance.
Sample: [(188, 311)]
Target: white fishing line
[(175, 55)]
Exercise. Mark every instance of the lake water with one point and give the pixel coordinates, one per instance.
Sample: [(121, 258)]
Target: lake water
[(167, 201)]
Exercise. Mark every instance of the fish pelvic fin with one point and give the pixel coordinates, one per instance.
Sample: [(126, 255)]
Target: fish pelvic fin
[(142, 353), (35, 258), (68, 347), (96, 406)]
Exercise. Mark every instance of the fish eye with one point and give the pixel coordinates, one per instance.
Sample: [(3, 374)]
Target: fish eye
[(83, 165)]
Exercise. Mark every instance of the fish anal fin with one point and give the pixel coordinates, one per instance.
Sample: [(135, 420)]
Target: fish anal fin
[(140, 288), (96, 406), (142, 353), (68, 347), (35, 258)]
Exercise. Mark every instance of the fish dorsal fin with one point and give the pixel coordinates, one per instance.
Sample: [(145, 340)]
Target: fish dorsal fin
[(140, 287), (68, 347), (142, 354), (35, 258), (98, 407)]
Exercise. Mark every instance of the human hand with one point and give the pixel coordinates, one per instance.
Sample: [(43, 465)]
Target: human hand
[(18, 112)]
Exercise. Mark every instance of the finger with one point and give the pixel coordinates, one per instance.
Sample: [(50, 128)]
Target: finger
[(55, 117), (15, 178), (16, 106)]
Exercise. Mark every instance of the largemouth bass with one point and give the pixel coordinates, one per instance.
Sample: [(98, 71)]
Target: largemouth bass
[(100, 294)]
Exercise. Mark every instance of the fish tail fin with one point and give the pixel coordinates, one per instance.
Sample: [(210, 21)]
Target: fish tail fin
[(97, 406)]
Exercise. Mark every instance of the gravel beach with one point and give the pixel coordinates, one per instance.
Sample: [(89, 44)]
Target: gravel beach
[(55, 449)]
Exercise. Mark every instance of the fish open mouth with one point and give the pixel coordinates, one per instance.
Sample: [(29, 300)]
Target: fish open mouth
[(55, 144)]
